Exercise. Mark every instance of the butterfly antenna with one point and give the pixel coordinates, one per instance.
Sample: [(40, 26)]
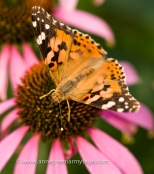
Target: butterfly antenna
[(47, 93), (69, 110), (61, 123), (51, 103)]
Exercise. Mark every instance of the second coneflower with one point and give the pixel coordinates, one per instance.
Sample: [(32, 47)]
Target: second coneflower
[(15, 24)]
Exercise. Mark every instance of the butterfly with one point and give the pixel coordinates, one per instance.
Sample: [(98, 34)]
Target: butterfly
[(79, 67)]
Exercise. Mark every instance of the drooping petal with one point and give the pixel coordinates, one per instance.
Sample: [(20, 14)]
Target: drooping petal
[(132, 76), (5, 105), (121, 124), (17, 67), (99, 2), (29, 55), (56, 155), (89, 153), (143, 117), (10, 143), (68, 4), (4, 59), (85, 21), (28, 153), (116, 152), (8, 119), (72, 149)]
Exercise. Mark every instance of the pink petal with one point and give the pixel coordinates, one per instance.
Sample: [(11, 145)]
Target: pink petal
[(119, 154), (99, 2), (143, 117), (89, 153), (56, 154), (68, 4), (17, 67), (8, 119), (5, 105), (28, 153), (119, 123), (4, 60), (10, 143), (72, 149), (85, 21), (29, 55), (132, 76)]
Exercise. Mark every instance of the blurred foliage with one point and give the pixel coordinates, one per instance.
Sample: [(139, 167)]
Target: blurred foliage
[(133, 25)]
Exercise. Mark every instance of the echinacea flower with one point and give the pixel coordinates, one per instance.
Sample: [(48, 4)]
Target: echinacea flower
[(15, 25), (42, 118)]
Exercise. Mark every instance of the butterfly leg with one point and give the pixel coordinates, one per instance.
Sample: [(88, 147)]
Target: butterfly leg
[(69, 110), (47, 93)]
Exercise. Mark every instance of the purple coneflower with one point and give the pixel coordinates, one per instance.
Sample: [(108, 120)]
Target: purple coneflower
[(42, 119)]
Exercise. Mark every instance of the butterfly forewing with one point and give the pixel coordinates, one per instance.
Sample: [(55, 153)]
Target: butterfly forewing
[(51, 36)]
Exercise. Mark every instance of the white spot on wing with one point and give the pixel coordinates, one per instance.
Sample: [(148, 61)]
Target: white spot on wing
[(54, 21), (47, 26), (68, 27), (120, 110), (34, 24), (38, 41), (40, 38), (108, 105), (130, 110), (43, 35), (61, 24), (38, 19), (121, 99)]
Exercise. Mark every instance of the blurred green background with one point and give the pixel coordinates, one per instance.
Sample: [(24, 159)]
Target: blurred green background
[(133, 25)]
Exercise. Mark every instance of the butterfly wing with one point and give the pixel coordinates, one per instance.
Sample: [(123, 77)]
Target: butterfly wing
[(109, 90), (61, 47), (69, 53), (54, 40)]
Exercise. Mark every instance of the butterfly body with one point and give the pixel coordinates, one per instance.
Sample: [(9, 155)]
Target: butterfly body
[(65, 89), (79, 68)]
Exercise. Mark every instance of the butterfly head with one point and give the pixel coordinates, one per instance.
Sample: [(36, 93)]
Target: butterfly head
[(57, 96)]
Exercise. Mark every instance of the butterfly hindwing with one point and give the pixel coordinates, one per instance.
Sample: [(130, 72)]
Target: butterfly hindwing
[(109, 91)]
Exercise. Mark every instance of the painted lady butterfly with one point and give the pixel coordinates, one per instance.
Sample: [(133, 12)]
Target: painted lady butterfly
[(78, 66)]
